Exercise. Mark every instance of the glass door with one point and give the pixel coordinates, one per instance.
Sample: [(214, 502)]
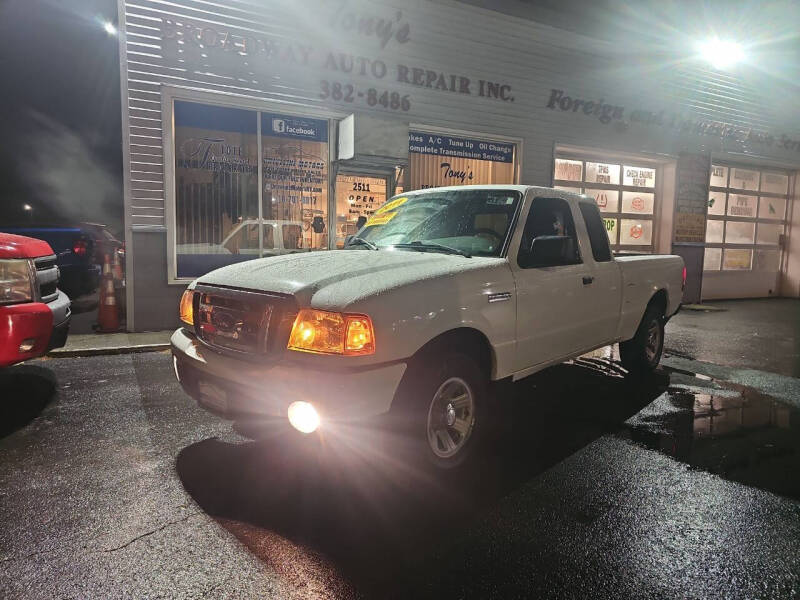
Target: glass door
[(357, 197)]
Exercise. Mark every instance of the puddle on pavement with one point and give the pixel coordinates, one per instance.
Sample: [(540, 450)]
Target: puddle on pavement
[(737, 433)]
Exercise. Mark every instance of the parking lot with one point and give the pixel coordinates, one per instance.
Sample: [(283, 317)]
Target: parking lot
[(114, 484)]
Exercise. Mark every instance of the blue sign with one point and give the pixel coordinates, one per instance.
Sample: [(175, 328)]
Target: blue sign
[(445, 145), (216, 118), (299, 128)]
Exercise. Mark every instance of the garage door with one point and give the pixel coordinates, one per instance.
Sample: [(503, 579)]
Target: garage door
[(744, 231)]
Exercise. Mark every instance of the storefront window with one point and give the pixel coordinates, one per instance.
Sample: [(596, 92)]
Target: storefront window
[(714, 231), (602, 173), (742, 206), (775, 183), (295, 175), (569, 170), (719, 177), (639, 177), (744, 179), (746, 219), (771, 208), (713, 259), (736, 259), (637, 203), (716, 203), (624, 193), (357, 198), (739, 232), (441, 160), (216, 186), (635, 232), (606, 200), (769, 233), (218, 220)]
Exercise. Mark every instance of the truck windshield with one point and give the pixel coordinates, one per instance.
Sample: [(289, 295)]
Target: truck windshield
[(472, 221)]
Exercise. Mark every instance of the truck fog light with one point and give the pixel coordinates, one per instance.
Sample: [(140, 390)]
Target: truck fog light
[(27, 345), (303, 417)]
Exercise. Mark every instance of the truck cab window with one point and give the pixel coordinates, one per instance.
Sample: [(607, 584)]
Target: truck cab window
[(549, 237), (597, 231)]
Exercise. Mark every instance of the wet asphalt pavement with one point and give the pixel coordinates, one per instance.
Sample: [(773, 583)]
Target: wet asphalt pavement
[(114, 484)]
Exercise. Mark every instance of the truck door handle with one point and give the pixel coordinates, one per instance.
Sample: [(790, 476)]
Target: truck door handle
[(587, 279)]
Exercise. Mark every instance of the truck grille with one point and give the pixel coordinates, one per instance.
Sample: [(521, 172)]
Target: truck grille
[(242, 321), (47, 278)]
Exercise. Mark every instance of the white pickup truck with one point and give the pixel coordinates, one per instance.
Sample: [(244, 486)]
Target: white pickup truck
[(442, 292)]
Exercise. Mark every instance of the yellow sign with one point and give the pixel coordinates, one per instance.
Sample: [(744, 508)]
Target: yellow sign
[(382, 219), (391, 205)]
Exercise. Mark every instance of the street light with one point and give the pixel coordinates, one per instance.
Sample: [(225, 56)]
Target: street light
[(721, 54), (28, 209)]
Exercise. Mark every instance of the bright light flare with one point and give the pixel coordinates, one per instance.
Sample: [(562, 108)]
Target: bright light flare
[(303, 417), (721, 54), (109, 28)]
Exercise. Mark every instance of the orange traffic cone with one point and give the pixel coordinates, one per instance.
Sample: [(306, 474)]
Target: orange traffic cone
[(107, 316)]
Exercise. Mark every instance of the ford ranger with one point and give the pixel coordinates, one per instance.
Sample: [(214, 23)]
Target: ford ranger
[(442, 292), (34, 313)]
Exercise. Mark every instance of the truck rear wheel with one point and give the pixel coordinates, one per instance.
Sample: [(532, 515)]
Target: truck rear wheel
[(642, 353), (441, 408)]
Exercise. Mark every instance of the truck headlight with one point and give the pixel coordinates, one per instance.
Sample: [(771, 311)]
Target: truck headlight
[(16, 284), (332, 333), (187, 308)]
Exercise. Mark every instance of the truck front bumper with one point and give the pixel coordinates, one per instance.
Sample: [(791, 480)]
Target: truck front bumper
[(231, 387)]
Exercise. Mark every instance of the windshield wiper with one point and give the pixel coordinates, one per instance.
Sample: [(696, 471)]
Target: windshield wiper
[(359, 241), (433, 246)]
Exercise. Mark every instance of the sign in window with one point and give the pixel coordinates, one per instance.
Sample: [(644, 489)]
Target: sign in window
[(442, 160), (602, 173)]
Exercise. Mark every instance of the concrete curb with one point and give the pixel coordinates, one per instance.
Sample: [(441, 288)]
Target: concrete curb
[(139, 348)]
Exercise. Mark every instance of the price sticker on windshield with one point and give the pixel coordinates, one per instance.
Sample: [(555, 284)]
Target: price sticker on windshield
[(391, 205), (380, 219)]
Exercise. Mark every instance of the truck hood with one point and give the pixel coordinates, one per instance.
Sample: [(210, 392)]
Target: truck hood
[(18, 246), (338, 278)]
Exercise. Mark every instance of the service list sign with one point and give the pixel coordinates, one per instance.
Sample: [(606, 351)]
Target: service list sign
[(441, 160), (691, 200)]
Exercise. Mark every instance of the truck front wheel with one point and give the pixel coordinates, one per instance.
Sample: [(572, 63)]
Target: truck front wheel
[(642, 353), (441, 408)]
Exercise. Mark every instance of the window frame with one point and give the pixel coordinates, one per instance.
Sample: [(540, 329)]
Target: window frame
[(612, 158), (572, 216), (606, 242), (169, 94), (727, 192)]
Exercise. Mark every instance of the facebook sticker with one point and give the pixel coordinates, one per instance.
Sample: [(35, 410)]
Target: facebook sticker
[(304, 128)]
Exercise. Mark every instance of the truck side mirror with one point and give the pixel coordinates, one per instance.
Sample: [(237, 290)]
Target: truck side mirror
[(551, 250), (318, 224)]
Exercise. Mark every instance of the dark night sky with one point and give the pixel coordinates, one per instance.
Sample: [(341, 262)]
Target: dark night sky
[(60, 107)]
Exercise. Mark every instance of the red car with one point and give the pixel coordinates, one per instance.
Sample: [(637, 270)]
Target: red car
[(34, 313)]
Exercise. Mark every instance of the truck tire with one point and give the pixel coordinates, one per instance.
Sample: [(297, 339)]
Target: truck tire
[(641, 354), (440, 410)]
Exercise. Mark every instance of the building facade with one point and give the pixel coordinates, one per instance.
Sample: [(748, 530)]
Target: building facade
[(256, 128)]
